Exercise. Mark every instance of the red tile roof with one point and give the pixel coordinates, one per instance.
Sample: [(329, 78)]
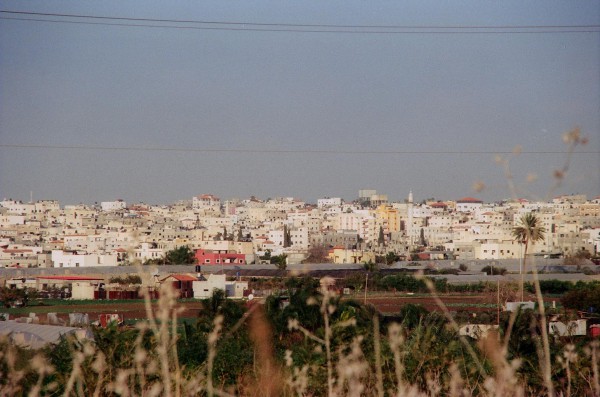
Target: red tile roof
[(69, 278), (469, 200), (181, 277)]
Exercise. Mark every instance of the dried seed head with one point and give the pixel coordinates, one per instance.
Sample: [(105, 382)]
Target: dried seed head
[(572, 137), (478, 186), (584, 141), (99, 364), (517, 150), (558, 174), (292, 324)]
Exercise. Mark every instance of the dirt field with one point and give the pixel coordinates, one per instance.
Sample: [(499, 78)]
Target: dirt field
[(393, 303), (385, 303), (133, 310), (190, 309)]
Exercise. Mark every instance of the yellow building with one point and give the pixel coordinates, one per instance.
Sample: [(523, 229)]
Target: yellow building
[(342, 255), (390, 215)]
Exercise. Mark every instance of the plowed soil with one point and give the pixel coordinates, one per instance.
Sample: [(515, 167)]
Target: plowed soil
[(385, 303), (393, 303), (133, 310)]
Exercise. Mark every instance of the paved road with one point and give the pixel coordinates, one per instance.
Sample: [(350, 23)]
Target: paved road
[(474, 274)]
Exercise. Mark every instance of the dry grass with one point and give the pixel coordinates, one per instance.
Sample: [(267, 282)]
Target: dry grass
[(154, 370), (369, 363)]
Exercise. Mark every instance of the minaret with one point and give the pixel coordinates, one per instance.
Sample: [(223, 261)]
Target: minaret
[(409, 209)]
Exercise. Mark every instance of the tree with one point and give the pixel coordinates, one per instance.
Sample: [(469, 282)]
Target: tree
[(280, 261), (318, 253), (380, 239), (287, 237), (129, 279), (391, 257), (528, 231), (180, 256), (12, 296), (370, 266), (583, 297), (494, 270), (578, 259), (422, 238)]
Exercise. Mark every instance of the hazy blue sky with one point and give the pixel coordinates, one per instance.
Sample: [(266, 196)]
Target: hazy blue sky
[(428, 96)]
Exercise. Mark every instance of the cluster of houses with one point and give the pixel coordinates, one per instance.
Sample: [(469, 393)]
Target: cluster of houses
[(240, 232), (86, 287)]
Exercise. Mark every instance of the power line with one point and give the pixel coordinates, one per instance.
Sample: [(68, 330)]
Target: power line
[(283, 151), (303, 25), (413, 32), (297, 28)]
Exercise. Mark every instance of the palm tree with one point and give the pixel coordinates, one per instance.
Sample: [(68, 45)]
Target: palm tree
[(528, 231)]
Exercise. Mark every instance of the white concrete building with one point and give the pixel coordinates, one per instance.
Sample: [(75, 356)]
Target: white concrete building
[(11, 220), (329, 202), (299, 238), (108, 206), (147, 251), (70, 259), (507, 249), (468, 204), (205, 201), (83, 290), (18, 207), (204, 288)]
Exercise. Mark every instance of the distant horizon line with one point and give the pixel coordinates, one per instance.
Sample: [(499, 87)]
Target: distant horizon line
[(357, 199), (288, 151)]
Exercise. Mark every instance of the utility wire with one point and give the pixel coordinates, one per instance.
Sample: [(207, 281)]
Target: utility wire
[(303, 25), (296, 28), (291, 30), (282, 151)]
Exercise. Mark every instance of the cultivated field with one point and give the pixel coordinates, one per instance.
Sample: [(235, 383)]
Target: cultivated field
[(386, 303)]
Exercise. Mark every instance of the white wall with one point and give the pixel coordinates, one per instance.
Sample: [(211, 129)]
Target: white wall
[(67, 259), (113, 205), (204, 289), (82, 290)]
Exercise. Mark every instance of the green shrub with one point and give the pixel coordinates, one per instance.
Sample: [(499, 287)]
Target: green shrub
[(494, 270)]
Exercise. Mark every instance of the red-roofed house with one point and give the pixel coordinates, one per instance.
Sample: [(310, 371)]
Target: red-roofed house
[(468, 204), (208, 257), (205, 201), (182, 283)]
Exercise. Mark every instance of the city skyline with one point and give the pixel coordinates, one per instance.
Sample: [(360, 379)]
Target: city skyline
[(94, 110), (416, 199)]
